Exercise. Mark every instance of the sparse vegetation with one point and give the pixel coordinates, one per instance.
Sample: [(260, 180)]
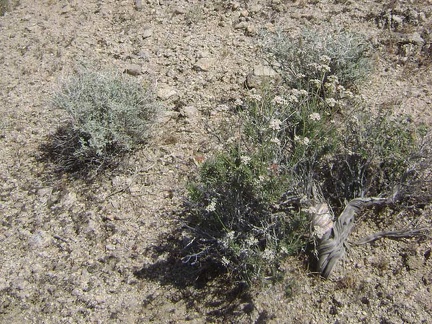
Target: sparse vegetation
[(108, 114), (315, 55), (223, 214), (295, 148)]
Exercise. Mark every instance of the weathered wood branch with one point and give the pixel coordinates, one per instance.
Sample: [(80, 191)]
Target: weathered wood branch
[(331, 247)]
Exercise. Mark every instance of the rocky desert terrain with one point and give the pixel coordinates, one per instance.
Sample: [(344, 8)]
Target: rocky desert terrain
[(76, 250)]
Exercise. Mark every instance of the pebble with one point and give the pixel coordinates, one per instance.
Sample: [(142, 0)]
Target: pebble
[(165, 91), (241, 25), (147, 32), (69, 200), (260, 74), (133, 69), (204, 64), (138, 4), (190, 112), (244, 13), (180, 11), (255, 8)]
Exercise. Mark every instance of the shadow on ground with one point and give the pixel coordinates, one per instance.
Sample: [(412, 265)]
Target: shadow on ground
[(207, 289)]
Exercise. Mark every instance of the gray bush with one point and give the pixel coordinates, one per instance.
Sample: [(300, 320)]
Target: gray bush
[(301, 58), (109, 113)]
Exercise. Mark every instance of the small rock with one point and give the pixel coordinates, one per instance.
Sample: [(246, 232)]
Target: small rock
[(180, 11), (190, 112), (251, 30), (133, 69), (397, 19), (261, 74), (4, 285), (203, 54), (244, 13), (204, 64), (147, 32), (69, 200), (39, 240), (45, 194), (415, 38), (264, 71), (241, 25), (110, 247), (144, 55), (235, 5), (138, 4), (255, 8), (165, 91), (413, 263)]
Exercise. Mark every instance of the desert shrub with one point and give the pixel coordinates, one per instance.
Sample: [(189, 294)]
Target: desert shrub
[(375, 156), (109, 114), (234, 224), (248, 206), (308, 142), (245, 213), (316, 54)]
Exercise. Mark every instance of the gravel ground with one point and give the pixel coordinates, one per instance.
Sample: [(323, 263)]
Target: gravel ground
[(75, 250)]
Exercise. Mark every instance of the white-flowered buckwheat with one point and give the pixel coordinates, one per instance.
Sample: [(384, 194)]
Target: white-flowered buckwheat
[(331, 102), (315, 116), (212, 206), (238, 102), (268, 255), (225, 261), (231, 235), (316, 82), (275, 140), (256, 97), (278, 100), (250, 241), (325, 59), (292, 98), (275, 124), (333, 78), (245, 159), (324, 68)]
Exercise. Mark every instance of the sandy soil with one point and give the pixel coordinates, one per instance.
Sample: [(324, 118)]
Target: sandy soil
[(77, 251)]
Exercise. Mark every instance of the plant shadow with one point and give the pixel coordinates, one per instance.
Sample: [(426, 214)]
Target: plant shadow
[(206, 289), (58, 152)]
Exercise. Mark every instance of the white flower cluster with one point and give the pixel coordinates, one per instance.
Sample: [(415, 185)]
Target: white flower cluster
[(299, 93), (275, 124), (316, 83), (292, 98), (324, 59), (332, 84), (212, 206), (225, 261), (279, 100), (245, 159), (251, 241), (324, 68), (255, 96), (276, 141), (305, 141), (315, 116), (230, 235), (238, 102), (331, 102), (268, 255)]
